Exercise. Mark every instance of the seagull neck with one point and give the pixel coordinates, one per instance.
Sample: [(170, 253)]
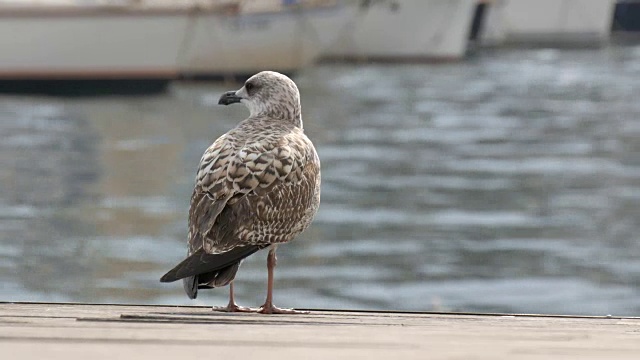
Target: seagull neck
[(288, 116)]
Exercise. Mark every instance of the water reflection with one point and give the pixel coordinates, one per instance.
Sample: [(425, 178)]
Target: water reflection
[(49, 160), (507, 183)]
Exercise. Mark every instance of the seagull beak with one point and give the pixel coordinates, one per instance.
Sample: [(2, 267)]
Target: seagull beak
[(228, 98)]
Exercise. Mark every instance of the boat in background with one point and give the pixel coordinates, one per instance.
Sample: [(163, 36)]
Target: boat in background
[(46, 45), (280, 35), (547, 22), (58, 46), (409, 30)]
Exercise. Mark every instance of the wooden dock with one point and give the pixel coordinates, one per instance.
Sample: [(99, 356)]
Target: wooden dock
[(82, 331)]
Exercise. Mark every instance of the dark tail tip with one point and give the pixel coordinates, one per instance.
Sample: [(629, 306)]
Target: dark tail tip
[(169, 277), (190, 285)]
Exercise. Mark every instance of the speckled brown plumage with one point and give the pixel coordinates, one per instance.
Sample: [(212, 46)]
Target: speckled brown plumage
[(257, 186)]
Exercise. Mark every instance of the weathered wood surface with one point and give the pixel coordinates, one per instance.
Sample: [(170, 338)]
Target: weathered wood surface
[(74, 331)]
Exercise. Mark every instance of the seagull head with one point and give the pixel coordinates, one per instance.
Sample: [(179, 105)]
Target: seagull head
[(268, 94)]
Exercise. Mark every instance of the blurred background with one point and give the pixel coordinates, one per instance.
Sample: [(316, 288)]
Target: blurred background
[(477, 156)]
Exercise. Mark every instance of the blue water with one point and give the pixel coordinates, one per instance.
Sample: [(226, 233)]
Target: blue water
[(509, 183)]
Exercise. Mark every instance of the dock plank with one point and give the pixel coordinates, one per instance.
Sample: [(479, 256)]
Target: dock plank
[(81, 331)]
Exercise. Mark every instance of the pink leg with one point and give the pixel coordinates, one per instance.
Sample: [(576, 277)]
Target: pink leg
[(232, 306), (268, 307)]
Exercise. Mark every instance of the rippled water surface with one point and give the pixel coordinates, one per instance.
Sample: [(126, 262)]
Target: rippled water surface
[(509, 182)]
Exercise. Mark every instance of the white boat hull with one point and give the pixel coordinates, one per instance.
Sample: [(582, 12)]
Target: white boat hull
[(549, 22), (407, 30), (89, 43), (162, 42), (284, 42)]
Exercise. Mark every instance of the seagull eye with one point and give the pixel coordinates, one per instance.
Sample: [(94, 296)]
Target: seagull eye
[(249, 87)]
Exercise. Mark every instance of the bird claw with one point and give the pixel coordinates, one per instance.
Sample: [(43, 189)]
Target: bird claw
[(233, 308), (276, 310)]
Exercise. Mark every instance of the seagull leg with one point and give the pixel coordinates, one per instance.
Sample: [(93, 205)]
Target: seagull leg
[(268, 307), (232, 306)]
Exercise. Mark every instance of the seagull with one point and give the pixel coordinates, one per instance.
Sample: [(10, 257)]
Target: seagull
[(257, 186)]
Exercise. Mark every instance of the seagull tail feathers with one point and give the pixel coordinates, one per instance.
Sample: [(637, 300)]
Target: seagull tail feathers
[(201, 263), (191, 286)]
